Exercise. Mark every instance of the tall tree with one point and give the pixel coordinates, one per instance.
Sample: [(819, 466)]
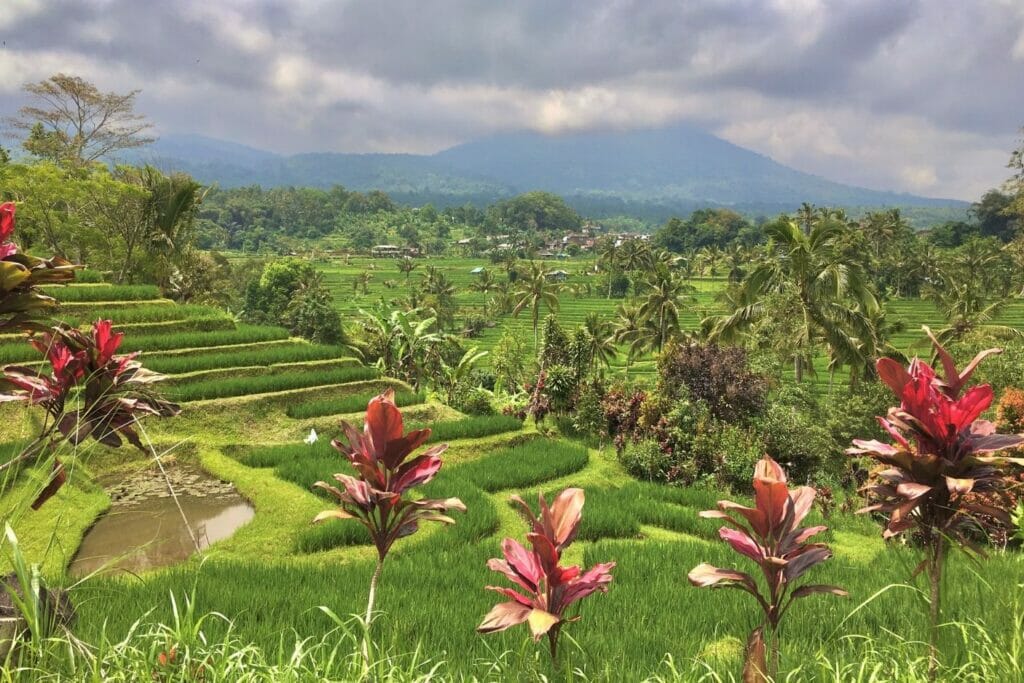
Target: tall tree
[(69, 120), (535, 290), (831, 292), (666, 294)]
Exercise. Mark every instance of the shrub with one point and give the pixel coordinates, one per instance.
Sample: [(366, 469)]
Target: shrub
[(473, 401), (560, 386), (588, 413), (799, 442), (545, 588), (646, 460), (720, 377), (724, 451), (1010, 411)]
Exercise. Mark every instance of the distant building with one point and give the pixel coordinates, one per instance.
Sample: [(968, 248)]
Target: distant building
[(479, 270), (557, 275)]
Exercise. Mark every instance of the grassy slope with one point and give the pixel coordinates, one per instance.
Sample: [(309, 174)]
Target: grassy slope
[(266, 579)]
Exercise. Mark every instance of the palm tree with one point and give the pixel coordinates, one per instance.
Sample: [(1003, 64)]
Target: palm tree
[(484, 283), (535, 290), (636, 256), (831, 291), (608, 258), (600, 339), (407, 265), (665, 294), (630, 330), (362, 281)]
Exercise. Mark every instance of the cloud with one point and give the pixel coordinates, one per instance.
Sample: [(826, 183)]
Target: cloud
[(915, 95)]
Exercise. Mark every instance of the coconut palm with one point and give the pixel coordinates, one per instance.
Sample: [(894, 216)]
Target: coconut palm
[(665, 296), (601, 339), (635, 256), (407, 265), (608, 258), (535, 290), (484, 283), (831, 291), (630, 329)]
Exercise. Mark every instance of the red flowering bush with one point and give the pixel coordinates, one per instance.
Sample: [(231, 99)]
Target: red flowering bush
[(22, 305), (544, 588)]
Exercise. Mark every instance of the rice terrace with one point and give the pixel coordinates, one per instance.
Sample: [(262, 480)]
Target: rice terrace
[(514, 389)]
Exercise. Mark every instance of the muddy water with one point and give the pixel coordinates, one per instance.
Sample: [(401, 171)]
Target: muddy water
[(144, 530)]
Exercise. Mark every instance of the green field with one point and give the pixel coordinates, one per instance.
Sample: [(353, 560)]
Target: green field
[(388, 284), (271, 577)]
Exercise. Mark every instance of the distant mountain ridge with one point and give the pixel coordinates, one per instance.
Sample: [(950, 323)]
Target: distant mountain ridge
[(655, 172)]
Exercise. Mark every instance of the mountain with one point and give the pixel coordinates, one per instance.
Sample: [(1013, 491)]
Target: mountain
[(650, 173)]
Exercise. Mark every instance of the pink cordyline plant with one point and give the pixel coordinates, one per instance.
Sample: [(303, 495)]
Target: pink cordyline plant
[(941, 453), (770, 535), (546, 589), (89, 392), (375, 496)]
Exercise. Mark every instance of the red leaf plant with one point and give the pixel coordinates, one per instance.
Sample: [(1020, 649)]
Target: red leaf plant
[(941, 457), (770, 535), (547, 589), (88, 392), (375, 496)]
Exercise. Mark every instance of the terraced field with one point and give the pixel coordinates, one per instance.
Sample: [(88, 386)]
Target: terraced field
[(248, 404), (387, 285)]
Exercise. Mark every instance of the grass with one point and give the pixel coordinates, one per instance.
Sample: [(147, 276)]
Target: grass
[(204, 389), (270, 577), (19, 352), (523, 465), (218, 359), (349, 404), (73, 294), (471, 427)]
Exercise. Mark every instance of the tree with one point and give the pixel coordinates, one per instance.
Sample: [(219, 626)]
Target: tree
[(665, 294), (407, 265), (71, 121), (536, 290), (533, 212), (831, 292), (629, 329), (600, 337)]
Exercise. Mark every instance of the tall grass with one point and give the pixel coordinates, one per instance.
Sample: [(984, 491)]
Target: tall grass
[(104, 293), (18, 352), (471, 427), (136, 313), (525, 464), (212, 360), (347, 404), (202, 389)]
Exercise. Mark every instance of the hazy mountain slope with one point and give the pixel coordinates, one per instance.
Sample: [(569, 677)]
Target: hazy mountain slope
[(653, 172)]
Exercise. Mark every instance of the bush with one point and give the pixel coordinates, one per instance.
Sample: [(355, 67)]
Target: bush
[(473, 401), (1010, 411), (588, 413), (723, 451), (801, 444), (311, 314), (645, 460), (720, 377), (560, 386)]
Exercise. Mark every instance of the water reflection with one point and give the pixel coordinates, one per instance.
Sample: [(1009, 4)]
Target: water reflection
[(150, 533)]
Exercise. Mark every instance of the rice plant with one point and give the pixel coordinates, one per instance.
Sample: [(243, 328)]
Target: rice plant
[(472, 427), (104, 293), (175, 364), (203, 389), (526, 464), (348, 404)]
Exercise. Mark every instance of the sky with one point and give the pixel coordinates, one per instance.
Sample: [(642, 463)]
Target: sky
[(921, 96)]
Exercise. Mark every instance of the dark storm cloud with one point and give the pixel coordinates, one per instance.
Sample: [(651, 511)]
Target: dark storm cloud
[(921, 95)]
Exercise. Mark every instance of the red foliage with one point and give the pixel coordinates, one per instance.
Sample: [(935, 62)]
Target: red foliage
[(375, 496), (545, 588)]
